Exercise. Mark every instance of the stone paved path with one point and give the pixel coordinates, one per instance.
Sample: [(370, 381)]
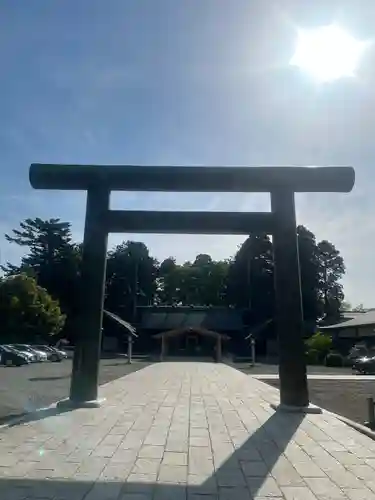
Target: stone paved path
[(192, 431)]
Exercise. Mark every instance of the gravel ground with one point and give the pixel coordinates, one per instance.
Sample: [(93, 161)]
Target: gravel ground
[(345, 397), (38, 385), (271, 369)]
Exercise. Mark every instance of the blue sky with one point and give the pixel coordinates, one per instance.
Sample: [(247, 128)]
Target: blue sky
[(185, 82)]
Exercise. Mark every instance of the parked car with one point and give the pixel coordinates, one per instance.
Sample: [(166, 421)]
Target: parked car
[(52, 353), (41, 356), (62, 353), (32, 357), (364, 365), (11, 357)]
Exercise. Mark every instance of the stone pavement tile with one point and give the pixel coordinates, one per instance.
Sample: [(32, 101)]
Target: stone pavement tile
[(201, 466), (104, 491), (149, 451), (19, 470), (254, 469), (248, 454), (308, 469), (232, 477), (364, 472), (136, 496), (170, 492), (298, 493), (155, 438), (176, 474), (124, 455), (203, 432), (200, 441), (285, 474), (8, 459), (196, 496), (359, 494), (146, 466), (237, 493), (263, 487), (177, 446), (324, 488), (104, 451), (174, 458), (117, 471), (347, 458), (202, 485), (344, 479)]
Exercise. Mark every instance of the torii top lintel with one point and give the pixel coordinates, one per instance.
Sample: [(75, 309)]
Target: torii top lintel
[(192, 179)]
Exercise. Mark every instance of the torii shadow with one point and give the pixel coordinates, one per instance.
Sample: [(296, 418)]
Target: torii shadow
[(245, 474)]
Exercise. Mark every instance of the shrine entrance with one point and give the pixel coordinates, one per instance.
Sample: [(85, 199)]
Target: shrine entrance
[(191, 342), (281, 182)]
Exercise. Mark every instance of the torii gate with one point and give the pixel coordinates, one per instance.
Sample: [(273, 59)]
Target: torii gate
[(281, 182)]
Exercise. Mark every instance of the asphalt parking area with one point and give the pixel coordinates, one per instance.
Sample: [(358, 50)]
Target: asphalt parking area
[(27, 388)]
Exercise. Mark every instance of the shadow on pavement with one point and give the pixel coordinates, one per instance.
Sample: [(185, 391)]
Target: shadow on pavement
[(38, 415), (40, 379), (244, 474)]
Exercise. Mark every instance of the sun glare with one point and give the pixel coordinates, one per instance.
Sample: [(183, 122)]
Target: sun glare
[(327, 53)]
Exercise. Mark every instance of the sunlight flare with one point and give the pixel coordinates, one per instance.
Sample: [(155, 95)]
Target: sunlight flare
[(327, 53)]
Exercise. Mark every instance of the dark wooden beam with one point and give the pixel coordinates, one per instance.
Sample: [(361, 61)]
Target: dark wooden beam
[(192, 179), (118, 221), (289, 311)]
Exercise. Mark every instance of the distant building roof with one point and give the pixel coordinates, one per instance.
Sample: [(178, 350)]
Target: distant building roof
[(361, 319), (171, 318), (199, 331)]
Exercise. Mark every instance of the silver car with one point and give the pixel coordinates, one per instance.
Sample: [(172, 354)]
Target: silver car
[(32, 357), (40, 355)]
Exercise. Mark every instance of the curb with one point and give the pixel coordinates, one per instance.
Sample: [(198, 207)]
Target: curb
[(355, 425)]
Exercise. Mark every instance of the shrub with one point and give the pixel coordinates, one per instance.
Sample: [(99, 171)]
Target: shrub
[(334, 359), (312, 357), (320, 342)]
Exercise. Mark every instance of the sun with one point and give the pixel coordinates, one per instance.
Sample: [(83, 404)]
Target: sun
[(327, 53)]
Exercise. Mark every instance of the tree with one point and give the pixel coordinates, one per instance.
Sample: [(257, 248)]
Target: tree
[(168, 282), (201, 283), (131, 278), (27, 312), (309, 266), (331, 270), (250, 280), (53, 259)]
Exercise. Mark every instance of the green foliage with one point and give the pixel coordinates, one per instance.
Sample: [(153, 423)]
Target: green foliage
[(27, 311), (135, 278), (313, 357), (131, 278), (334, 359), (318, 346), (250, 277), (330, 271), (202, 282), (52, 259)]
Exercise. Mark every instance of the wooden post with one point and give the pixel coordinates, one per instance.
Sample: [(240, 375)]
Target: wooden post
[(218, 349), (130, 346), (162, 353), (85, 373), (289, 314), (252, 341)]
